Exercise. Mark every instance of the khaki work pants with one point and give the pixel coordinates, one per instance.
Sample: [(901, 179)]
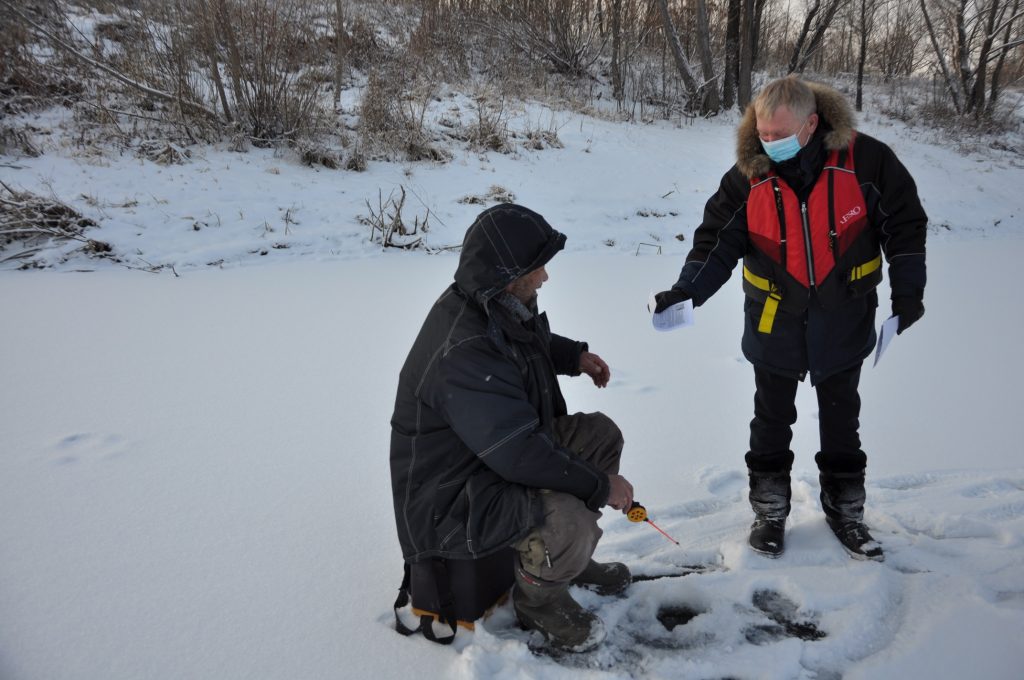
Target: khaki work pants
[(561, 548)]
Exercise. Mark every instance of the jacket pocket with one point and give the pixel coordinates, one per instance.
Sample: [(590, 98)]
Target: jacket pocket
[(757, 286), (450, 521), (865, 277), (764, 291)]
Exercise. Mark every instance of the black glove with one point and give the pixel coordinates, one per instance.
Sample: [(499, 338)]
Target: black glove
[(667, 298), (909, 309)]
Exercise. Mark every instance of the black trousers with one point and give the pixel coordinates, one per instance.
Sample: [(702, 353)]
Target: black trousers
[(771, 430)]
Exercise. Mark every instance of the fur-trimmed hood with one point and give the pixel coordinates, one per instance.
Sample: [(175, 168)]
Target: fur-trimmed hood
[(835, 116)]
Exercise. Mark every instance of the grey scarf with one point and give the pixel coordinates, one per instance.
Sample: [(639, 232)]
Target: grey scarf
[(514, 305)]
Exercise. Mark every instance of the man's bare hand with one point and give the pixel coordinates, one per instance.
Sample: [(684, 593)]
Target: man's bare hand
[(620, 493), (596, 368)]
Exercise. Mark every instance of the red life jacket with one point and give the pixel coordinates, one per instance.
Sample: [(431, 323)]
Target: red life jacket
[(805, 240)]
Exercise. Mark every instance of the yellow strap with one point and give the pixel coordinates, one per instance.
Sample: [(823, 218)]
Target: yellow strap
[(865, 269), (771, 305), (757, 281), (768, 315)]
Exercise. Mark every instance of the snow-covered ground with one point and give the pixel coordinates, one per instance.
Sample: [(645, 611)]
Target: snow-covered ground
[(613, 187), (193, 469)]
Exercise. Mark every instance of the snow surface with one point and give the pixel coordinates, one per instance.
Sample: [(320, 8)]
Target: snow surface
[(613, 187), (193, 469)]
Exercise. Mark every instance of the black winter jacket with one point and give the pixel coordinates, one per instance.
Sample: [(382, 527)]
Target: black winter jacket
[(471, 434), (828, 328)]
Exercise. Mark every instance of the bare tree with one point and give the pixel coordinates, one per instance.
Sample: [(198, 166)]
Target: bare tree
[(732, 53), (208, 39), (617, 86), (812, 11), (821, 18), (894, 48), (682, 63), (864, 26), (559, 31), (755, 30), (996, 14), (952, 85), (339, 49), (747, 33), (710, 102), (973, 29), (998, 69)]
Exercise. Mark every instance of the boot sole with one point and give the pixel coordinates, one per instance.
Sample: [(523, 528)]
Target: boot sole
[(854, 554), (862, 557), (604, 592), (772, 555)]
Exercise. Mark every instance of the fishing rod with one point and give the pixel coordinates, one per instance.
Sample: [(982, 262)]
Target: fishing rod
[(638, 513)]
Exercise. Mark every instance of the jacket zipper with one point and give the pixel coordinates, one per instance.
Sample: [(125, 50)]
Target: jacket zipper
[(833, 237), (469, 517), (782, 222), (807, 244)]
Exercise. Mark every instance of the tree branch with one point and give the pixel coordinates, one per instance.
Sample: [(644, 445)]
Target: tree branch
[(110, 70)]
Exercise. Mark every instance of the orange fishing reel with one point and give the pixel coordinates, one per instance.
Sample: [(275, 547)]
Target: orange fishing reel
[(638, 513)]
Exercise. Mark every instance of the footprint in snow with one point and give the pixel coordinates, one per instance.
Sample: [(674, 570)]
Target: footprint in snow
[(994, 488), (85, 447), (785, 618), (907, 482), (726, 483)]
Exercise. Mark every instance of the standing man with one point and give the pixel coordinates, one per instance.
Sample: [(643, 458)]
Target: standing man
[(811, 205), (483, 453)]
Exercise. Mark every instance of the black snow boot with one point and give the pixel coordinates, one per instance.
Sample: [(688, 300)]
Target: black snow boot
[(857, 540), (768, 536), (605, 578), (842, 499), (770, 499), (549, 608)]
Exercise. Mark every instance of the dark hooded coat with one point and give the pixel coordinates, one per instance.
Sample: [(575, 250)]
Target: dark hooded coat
[(471, 435), (829, 328)]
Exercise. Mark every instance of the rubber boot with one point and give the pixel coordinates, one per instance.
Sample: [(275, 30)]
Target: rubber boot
[(605, 578), (842, 498), (549, 608), (770, 496)]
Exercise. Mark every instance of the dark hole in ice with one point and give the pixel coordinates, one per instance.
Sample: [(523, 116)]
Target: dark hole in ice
[(675, 615)]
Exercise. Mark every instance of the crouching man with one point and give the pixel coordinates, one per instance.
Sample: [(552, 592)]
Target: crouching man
[(483, 453)]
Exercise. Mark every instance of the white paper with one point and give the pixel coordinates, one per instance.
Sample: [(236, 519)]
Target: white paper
[(678, 315), (885, 335)]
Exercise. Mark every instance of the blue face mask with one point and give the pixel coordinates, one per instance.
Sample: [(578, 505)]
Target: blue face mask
[(785, 148)]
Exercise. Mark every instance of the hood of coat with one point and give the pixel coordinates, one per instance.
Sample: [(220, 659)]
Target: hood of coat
[(505, 242), (835, 120)]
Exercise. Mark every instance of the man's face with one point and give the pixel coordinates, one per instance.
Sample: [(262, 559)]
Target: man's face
[(784, 123), (525, 287)]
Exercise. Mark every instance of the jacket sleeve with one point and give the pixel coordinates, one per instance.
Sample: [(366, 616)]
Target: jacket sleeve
[(480, 394), (902, 225), (565, 354), (719, 242)]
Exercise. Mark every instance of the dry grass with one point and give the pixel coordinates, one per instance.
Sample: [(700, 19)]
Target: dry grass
[(28, 222), (393, 116), (389, 228)]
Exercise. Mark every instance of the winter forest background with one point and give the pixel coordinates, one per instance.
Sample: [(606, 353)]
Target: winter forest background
[(221, 224), (154, 77), (342, 83)]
